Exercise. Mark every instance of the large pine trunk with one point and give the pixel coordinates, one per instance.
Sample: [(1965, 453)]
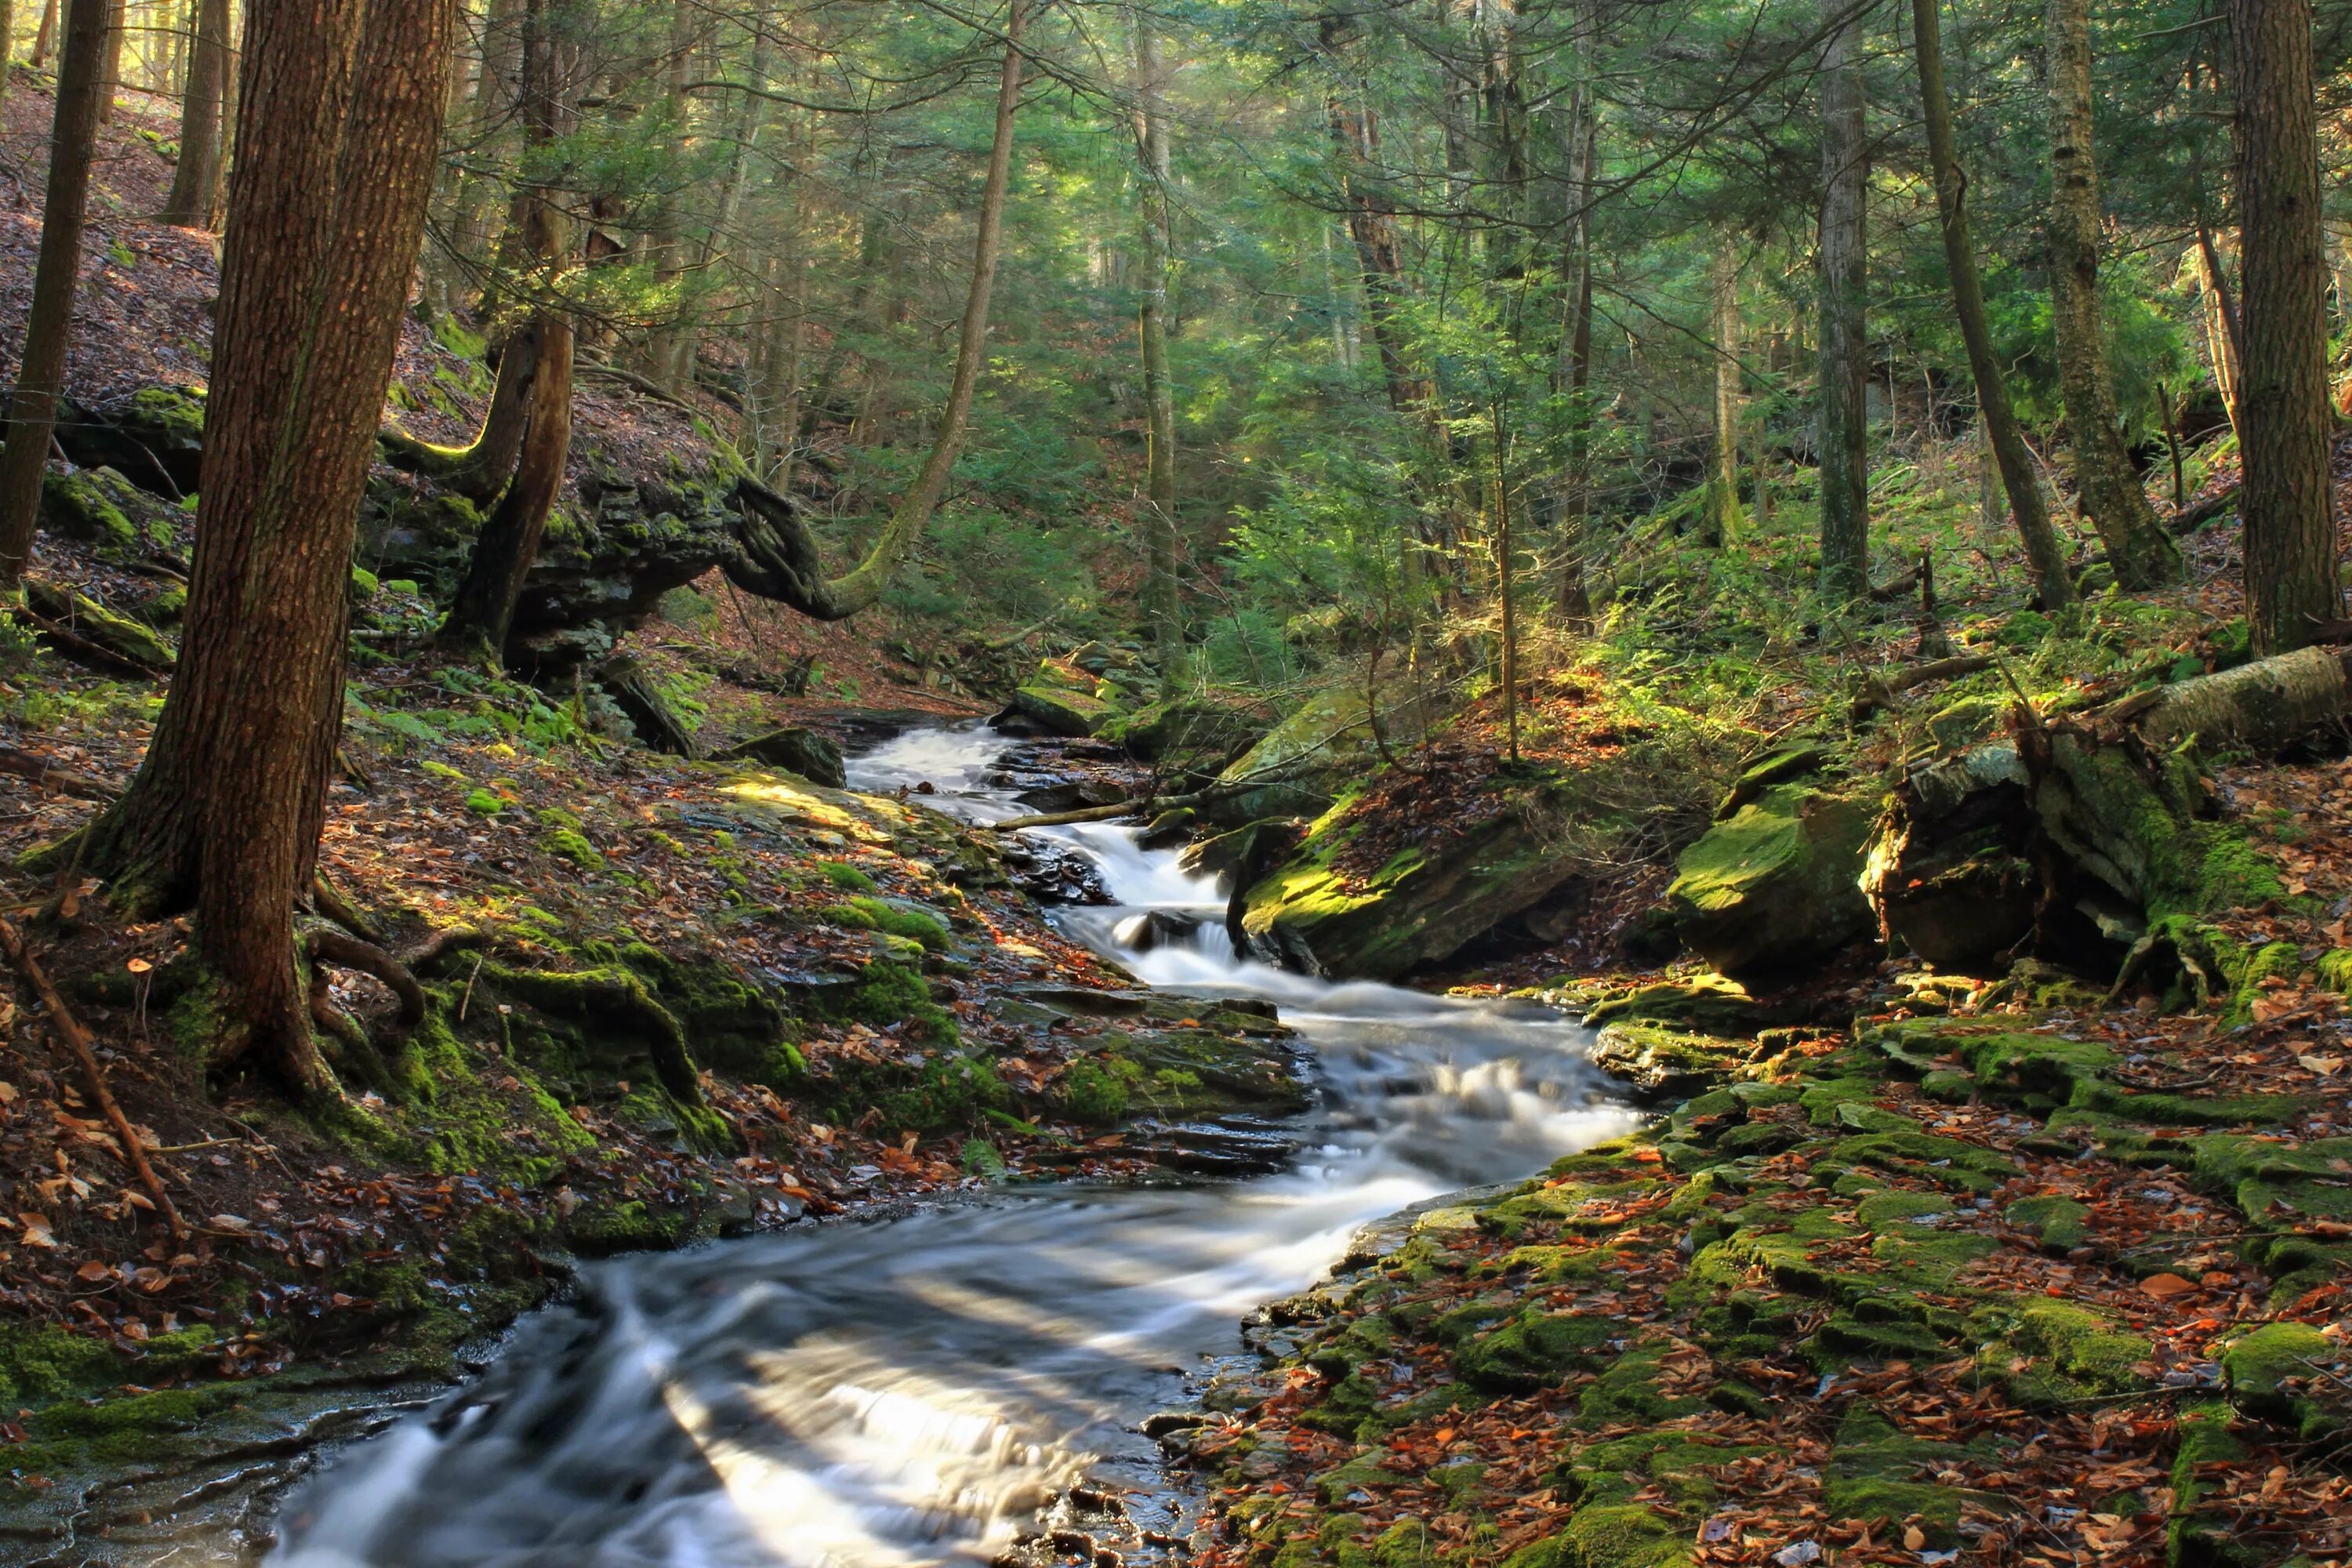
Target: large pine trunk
[(194, 182), (2045, 561), (2290, 547), (48, 329), (2110, 495), (339, 108), (1842, 433), (1162, 604)]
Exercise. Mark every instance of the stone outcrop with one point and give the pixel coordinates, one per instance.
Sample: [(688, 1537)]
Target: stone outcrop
[(1776, 885)]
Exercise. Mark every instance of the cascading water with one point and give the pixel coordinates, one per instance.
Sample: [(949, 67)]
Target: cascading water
[(909, 1391)]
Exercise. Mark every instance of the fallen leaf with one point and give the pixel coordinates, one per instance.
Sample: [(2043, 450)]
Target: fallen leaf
[(2164, 1287)]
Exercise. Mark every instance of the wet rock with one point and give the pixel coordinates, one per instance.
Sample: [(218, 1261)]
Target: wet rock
[(1072, 795), (1168, 829), (1777, 884), (1157, 928), (1053, 873), (796, 748), (1200, 732), (1667, 1064), (1066, 698)]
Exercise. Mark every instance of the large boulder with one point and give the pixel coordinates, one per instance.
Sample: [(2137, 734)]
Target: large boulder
[(796, 747), (1777, 885), (1950, 871), (1423, 905), (1066, 698)]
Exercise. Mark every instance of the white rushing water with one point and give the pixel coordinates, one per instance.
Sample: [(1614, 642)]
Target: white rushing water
[(908, 1391)]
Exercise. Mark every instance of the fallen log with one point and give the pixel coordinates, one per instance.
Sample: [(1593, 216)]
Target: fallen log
[(1880, 690), (1147, 805), (48, 775), (2262, 707), (2189, 520), (87, 631)]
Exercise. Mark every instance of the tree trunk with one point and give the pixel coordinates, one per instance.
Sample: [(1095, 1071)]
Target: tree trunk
[(779, 559), (538, 395), (46, 36), (1844, 434), (2111, 494), (482, 614), (665, 348), (110, 81), (190, 204), (48, 329), (7, 44), (1162, 603), (1724, 518), (480, 469), (2045, 561), (2289, 543), (1574, 374), (2224, 339), (342, 104)]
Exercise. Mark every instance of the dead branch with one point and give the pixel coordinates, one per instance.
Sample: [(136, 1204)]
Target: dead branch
[(78, 1039), (48, 775)]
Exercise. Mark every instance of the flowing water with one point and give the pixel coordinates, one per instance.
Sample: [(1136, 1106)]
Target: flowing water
[(908, 1391)]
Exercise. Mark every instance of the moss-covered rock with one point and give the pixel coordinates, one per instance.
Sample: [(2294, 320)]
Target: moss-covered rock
[(1318, 914), (1667, 1063), (1776, 886)]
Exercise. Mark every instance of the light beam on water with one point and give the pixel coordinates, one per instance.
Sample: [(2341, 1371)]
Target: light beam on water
[(908, 1392)]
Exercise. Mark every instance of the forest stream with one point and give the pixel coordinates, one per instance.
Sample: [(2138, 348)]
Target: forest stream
[(912, 1390)]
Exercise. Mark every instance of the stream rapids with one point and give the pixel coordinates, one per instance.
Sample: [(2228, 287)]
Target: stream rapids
[(912, 1391)]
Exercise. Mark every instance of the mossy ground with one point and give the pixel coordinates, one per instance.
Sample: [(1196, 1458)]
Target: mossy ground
[(1818, 1303)]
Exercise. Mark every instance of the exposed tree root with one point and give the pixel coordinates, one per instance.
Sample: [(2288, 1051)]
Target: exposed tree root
[(342, 910), (358, 1052), (78, 1039), (613, 997), (349, 952)]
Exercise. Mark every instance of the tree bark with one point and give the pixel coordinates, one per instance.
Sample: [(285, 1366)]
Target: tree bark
[(2110, 492), (46, 36), (340, 107), (1163, 606), (2290, 541), (2045, 561), (190, 204), (480, 469), (779, 559), (1574, 374), (1843, 435), (49, 328), (1724, 518)]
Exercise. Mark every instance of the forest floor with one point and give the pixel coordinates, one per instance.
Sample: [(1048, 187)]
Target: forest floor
[(1912, 1269)]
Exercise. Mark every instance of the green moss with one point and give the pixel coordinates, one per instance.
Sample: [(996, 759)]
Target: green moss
[(841, 874), (2272, 1371), (891, 919), (888, 992), (1535, 1349), (1612, 1535), (1601, 1474), (42, 1364), (1628, 1392), (2060, 1223), (484, 802), (1096, 1090), (567, 844)]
